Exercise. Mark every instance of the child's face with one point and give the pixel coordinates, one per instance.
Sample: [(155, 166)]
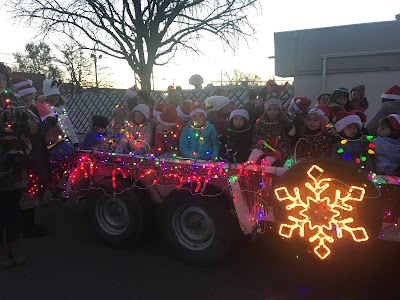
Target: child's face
[(198, 119), (52, 99), (313, 122), (138, 117), (355, 95), (324, 99), (238, 121), (350, 130), (3, 82), (28, 99), (118, 118), (272, 112), (342, 99), (384, 131)]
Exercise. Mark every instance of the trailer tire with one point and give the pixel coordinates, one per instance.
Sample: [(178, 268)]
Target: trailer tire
[(117, 220), (197, 229)]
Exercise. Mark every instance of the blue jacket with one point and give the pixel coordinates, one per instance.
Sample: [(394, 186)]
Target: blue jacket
[(200, 143)]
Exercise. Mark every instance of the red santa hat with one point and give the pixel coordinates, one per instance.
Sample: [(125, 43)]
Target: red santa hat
[(158, 109), (325, 112), (183, 110), (44, 110), (272, 101), (196, 107), (300, 104), (393, 93), (344, 118), (239, 112), (168, 116), (394, 120), (361, 114), (132, 92), (144, 109), (22, 86)]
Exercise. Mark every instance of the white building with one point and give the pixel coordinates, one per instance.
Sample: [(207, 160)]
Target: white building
[(323, 59)]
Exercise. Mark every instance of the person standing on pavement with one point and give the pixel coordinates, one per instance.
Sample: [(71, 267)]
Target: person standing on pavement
[(16, 125), (38, 165)]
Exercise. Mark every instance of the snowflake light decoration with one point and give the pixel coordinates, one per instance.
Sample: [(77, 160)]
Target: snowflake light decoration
[(321, 213)]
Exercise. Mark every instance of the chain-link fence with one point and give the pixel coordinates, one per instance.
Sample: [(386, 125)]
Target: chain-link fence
[(81, 107)]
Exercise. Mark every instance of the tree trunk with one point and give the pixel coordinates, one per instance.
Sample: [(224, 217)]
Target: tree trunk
[(144, 72)]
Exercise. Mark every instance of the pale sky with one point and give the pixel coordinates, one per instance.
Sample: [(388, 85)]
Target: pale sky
[(275, 16)]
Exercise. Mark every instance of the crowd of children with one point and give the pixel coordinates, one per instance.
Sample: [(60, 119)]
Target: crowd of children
[(211, 130)]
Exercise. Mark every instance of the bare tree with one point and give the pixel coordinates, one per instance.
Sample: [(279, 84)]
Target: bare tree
[(238, 77), (78, 66), (143, 32), (37, 59)]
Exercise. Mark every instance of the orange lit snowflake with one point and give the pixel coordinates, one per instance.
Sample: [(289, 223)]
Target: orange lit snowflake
[(321, 213)]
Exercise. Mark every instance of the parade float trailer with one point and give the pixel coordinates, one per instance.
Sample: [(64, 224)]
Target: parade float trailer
[(201, 206)]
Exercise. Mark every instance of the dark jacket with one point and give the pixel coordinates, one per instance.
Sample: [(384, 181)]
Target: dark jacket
[(220, 120), (235, 144), (314, 145), (354, 151)]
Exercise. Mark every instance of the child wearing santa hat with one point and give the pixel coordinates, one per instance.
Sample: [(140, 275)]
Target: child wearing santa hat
[(272, 134), (95, 139), (219, 108), (167, 133), (350, 144), (358, 101), (183, 111), (56, 102), (138, 135), (317, 138), (390, 105), (236, 139), (387, 145), (199, 137)]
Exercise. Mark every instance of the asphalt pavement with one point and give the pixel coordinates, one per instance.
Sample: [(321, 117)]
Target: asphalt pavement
[(71, 263)]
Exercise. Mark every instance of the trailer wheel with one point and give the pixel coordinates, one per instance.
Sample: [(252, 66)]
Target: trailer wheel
[(117, 219), (197, 229)]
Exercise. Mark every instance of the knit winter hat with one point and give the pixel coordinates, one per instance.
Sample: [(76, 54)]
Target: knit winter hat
[(217, 102), (300, 104), (197, 107), (393, 93), (168, 116), (360, 89), (100, 121), (344, 118), (50, 87), (272, 101), (132, 92), (325, 112), (239, 112), (144, 109), (183, 110), (158, 109), (394, 120), (22, 86)]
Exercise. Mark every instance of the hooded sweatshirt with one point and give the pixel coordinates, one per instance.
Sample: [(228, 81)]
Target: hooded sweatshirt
[(387, 155)]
